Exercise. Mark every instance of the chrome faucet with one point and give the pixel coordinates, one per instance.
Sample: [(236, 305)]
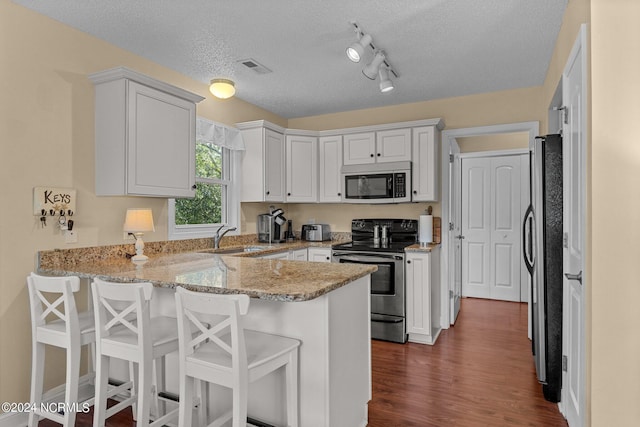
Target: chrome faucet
[(218, 236)]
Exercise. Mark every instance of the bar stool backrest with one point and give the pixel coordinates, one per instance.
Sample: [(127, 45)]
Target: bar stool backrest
[(61, 312), (216, 320), (125, 304)]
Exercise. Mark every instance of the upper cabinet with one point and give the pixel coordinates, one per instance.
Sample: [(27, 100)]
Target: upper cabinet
[(263, 162), (359, 148), (302, 168), (426, 161), (144, 136), (392, 145), (330, 153)]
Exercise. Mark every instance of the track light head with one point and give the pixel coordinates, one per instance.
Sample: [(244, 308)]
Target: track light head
[(355, 52), (386, 85), (371, 70)]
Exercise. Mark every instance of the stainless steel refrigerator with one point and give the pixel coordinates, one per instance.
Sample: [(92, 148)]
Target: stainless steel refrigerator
[(542, 250)]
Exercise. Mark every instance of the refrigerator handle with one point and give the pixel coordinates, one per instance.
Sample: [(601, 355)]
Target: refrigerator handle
[(527, 244)]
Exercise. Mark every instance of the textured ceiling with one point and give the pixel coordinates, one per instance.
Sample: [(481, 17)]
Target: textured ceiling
[(440, 48)]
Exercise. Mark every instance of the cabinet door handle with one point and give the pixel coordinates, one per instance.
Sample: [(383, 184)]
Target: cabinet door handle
[(268, 193), (288, 194), (371, 154), (378, 154), (408, 261), (339, 194), (328, 258), (193, 187), (415, 191)]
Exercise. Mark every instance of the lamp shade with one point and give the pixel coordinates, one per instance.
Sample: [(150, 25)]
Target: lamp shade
[(371, 70), (138, 220), (222, 88)]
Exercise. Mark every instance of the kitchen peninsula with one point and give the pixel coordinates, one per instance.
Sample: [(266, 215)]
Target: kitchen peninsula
[(326, 306)]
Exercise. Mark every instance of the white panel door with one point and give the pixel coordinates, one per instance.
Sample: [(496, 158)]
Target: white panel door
[(302, 168), (455, 232), (476, 227), (574, 214), (359, 148), (491, 215), (393, 145), (330, 150), (274, 166), (505, 228)]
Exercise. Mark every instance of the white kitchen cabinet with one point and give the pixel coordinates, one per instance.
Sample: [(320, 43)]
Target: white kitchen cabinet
[(393, 145), (330, 180), (144, 136), (359, 148), (302, 168), (298, 255), (422, 278), (263, 162), (319, 254), (426, 160), (279, 255)]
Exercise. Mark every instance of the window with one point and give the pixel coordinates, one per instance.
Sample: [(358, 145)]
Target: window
[(216, 201)]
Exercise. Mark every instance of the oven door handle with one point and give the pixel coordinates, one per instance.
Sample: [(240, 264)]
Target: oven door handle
[(350, 256)]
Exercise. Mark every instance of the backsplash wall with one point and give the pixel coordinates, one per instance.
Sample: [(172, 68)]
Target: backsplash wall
[(338, 215)]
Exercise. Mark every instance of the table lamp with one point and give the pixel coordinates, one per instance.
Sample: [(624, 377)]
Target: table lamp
[(138, 221)]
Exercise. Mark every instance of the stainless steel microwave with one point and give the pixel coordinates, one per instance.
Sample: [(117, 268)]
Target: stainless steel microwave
[(377, 183)]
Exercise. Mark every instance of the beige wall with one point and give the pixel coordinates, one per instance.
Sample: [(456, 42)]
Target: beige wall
[(615, 212), (497, 142), (46, 134)]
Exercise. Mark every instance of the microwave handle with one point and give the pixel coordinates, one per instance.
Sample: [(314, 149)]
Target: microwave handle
[(390, 184)]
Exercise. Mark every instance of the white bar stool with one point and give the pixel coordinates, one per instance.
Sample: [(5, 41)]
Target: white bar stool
[(70, 330), (141, 341), (223, 352)]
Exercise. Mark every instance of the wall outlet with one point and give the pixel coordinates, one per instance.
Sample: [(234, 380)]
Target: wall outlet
[(127, 237), (70, 236)]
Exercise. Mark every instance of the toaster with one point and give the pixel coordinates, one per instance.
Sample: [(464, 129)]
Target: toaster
[(316, 232)]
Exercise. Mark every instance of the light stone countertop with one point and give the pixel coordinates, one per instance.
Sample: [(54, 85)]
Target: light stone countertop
[(204, 271)]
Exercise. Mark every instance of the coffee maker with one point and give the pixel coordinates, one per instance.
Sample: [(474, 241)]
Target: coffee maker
[(270, 228)]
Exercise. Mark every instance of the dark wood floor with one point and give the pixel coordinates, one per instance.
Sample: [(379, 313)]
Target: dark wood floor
[(479, 373)]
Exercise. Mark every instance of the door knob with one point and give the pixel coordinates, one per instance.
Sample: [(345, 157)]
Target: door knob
[(577, 277), (460, 237)]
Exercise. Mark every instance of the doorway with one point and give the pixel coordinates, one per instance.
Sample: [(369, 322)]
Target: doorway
[(494, 196), (450, 258)]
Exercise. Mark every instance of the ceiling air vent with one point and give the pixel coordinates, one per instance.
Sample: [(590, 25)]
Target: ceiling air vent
[(255, 66)]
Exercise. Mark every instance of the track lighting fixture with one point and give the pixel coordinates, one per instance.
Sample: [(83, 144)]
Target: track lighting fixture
[(385, 82), (371, 70), (379, 65)]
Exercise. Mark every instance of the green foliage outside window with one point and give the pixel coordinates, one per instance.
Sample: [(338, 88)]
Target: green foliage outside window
[(207, 205)]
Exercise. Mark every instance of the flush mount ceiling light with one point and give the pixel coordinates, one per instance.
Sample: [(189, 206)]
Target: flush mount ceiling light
[(222, 88), (385, 82), (379, 65)]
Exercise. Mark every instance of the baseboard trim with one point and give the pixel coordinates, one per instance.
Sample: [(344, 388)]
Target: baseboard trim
[(14, 419)]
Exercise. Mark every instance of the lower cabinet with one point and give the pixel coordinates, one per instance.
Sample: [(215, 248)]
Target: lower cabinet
[(298, 254), (319, 254), (278, 255), (422, 272)]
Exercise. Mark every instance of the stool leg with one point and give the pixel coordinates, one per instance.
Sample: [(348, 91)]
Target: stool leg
[(37, 377), (186, 401), (73, 375), (133, 376), (145, 371), (291, 374), (100, 402), (240, 396)]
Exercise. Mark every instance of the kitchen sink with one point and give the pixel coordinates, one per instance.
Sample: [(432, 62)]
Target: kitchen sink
[(237, 250)]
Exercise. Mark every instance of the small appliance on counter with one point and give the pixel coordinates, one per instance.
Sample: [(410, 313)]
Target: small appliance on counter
[(270, 228), (316, 232), (289, 235)]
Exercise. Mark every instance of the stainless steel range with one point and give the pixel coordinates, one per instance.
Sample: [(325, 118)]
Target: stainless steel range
[(381, 242)]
